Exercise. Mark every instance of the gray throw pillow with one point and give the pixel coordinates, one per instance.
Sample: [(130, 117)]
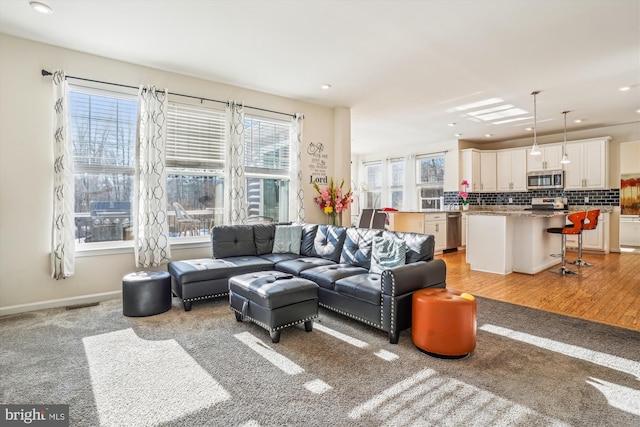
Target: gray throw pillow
[(287, 239), (387, 253)]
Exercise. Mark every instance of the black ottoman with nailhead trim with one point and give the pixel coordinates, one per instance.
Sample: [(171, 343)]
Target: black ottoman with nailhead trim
[(274, 300), (146, 293)]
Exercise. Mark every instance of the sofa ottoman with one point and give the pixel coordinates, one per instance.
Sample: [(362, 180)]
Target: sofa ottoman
[(274, 300), (146, 293), (444, 322)]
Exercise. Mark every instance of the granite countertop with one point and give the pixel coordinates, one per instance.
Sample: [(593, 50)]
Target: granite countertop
[(514, 210), (520, 213)]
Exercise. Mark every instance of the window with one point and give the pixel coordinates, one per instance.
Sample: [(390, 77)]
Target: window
[(267, 145), (396, 171), (195, 165), (430, 181), (103, 130), (373, 182)]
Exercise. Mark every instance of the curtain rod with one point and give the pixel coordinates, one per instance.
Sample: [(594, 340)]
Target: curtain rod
[(46, 73)]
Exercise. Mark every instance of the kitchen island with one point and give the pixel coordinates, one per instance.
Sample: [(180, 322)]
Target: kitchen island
[(503, 242)]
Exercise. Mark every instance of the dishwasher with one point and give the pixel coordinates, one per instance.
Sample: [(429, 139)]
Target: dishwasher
[(454, 231)]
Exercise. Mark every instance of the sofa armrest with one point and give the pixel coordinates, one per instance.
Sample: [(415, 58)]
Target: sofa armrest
[(414, 276)]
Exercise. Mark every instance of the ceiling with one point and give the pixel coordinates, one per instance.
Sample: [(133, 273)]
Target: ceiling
[(405, 68)]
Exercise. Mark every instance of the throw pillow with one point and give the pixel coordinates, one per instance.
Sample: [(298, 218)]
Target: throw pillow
[(387, 253), (287, 239)]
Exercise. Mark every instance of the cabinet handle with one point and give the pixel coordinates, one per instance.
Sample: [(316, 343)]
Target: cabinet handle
[(437, 228)]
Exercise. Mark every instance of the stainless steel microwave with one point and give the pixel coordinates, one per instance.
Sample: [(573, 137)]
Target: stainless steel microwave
[(542, 180)]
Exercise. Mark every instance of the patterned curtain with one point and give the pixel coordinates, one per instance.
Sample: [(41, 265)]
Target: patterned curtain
[(151, 229), (235, 209), (63, 261), (296, 193), (409, 189)]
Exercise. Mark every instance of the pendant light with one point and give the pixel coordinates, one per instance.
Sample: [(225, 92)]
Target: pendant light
[(535, 150), (565, 156)]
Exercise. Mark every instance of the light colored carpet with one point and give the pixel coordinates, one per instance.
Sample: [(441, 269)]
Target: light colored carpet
[(202, 368)]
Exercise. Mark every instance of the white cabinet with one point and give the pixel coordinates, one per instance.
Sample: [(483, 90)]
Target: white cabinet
[(479, 169), (436, 224), (488, 171), (549, 159), (588, 167), (511, 170), (596, 240), (629, 230), (470, 168)]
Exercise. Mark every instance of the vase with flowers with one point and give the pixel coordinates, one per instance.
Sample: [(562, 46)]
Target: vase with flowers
[(464, 194), (333, 201)]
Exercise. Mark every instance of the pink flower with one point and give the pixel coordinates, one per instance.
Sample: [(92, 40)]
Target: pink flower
[(332, 199), (465, 183)]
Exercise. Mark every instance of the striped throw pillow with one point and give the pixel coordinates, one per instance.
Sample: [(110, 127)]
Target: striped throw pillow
[(387, 253)]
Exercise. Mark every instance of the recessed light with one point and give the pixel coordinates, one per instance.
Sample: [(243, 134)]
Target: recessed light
[(489, 135), (458, 134), (624, 88), (451, 124), (637, 111), (326, 86), (529, 129), (40, 7), (577, 121)]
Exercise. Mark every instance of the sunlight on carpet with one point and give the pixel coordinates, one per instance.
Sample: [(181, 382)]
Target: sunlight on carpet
[(603, 359), (166, 381), (618, 396), (448, 399), (284, 364), (346, 338)]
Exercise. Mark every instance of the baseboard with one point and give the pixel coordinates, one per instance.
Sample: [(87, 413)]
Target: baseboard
[(64, 302)]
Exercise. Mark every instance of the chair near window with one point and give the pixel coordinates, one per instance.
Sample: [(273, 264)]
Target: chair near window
[(379, 220), (366, 215), (186, 224)]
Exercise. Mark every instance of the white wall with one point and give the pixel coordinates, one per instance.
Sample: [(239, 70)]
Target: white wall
[(26, 164)]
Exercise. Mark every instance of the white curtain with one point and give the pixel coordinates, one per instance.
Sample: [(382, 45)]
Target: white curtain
[(384, 186), (409, 195), (235, 209), (151, 228), (63, 259), (296, 193)]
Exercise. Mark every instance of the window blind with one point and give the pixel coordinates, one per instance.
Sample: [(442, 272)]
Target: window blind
[(103, 130), (195, 137), (266, 144)]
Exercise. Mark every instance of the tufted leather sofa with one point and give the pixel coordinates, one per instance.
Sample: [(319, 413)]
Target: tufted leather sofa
[(336, 258)]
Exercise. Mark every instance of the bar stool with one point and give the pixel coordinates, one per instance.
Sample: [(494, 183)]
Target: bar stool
[(577, 218), (590, 224)]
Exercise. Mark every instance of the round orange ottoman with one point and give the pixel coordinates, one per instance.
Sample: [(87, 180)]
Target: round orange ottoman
[(443, 323)]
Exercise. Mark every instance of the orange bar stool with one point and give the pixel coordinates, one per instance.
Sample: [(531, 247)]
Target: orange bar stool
[(590, 224), (577, 218), (443, 322)]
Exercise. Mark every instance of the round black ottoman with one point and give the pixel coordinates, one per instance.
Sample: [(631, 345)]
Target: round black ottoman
[(146, 293)]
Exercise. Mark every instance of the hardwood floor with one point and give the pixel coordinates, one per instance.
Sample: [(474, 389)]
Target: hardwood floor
[(607, 292)]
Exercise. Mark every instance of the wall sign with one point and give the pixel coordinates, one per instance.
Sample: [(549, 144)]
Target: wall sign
[(318, 165)]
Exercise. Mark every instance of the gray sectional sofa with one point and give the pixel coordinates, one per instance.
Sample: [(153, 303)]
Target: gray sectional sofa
[(338, 259)]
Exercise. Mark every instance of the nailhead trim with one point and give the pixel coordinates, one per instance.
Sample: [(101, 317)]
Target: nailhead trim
[(269, 328), (393, 299), (368, 322), (205, 297)]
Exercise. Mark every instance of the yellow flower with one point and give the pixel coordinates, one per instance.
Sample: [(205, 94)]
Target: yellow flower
[(328, 209)]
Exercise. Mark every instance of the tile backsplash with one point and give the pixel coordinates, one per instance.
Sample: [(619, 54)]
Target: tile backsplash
[(609, 197)]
